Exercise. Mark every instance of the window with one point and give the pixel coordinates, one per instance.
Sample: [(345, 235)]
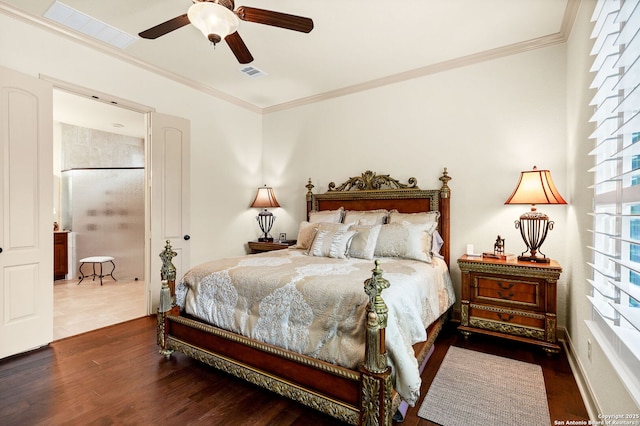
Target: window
[(615, 281)]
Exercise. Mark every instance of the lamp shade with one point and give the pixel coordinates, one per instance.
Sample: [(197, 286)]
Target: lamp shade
[(265, 198), (535, 187), (213, 20)]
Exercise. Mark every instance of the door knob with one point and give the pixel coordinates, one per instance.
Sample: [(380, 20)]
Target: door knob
[(187, 237)]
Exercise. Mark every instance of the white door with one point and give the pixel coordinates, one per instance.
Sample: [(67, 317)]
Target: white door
[(26, 213), (169, 189)]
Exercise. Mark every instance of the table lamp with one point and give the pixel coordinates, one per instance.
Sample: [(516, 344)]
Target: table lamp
[(265, 198), (534, 187)]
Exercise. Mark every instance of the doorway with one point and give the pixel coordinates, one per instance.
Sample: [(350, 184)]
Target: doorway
[(100, 209)]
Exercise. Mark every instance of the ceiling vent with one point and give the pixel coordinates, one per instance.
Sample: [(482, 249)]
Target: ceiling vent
[(76, 20), (252, 72)]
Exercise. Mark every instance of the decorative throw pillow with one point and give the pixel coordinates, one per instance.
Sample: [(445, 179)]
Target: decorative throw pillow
[(331, 243), (307, 231), (406, 240), (334, 216), (366, 217), (364, 241), (423, 217)]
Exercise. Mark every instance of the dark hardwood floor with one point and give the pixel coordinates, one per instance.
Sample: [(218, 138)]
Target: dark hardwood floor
[(116, 376)]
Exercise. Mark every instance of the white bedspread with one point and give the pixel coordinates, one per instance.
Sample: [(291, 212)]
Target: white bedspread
[(317, 305)]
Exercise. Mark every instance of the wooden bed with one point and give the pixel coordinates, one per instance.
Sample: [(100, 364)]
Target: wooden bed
[(360, 396)]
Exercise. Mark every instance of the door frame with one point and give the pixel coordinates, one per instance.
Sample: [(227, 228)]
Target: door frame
[(146, 112)]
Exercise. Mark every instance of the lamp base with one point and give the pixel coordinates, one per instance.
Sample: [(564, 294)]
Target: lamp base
[(265, 239), (534, 259)]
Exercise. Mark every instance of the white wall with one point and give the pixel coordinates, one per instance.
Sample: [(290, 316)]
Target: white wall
[(609, 393), (225, 139), (485, 122)]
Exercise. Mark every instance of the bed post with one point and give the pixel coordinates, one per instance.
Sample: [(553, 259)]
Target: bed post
[(376, 386), (309, 187), (445, 197), (167, 297)]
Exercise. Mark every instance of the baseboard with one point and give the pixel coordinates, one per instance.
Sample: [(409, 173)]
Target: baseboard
[(578, 373)]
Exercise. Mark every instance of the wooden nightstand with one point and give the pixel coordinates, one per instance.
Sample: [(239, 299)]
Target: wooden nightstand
[(510, 299), (60, 253), (262, 246)]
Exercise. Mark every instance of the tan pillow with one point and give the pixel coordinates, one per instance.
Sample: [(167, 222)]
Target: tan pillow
[(334, 216), (331, 243), (406, 240), (364, 241), (366, 217), (423, 217), (306, 231)]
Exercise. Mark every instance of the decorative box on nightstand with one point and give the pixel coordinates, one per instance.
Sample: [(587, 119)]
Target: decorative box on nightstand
[(262, 246), (510, 299)]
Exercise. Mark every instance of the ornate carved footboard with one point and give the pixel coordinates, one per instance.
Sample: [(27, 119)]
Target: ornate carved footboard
[(258, 362), (364, 396)]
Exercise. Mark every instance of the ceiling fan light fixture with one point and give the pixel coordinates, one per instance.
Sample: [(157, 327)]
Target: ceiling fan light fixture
[(213, 20)]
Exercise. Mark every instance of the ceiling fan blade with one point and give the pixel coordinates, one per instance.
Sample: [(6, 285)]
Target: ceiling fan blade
[(165, 27), (238, 48), (276, 19)]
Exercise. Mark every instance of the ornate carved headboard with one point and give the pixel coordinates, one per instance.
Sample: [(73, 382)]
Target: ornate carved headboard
[(372, 191)]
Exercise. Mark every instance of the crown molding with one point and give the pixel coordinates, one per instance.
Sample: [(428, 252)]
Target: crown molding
[(562, 36), (463, 61), (118, 54)]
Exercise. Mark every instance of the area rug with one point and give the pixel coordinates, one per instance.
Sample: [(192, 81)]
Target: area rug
[(473, 388)]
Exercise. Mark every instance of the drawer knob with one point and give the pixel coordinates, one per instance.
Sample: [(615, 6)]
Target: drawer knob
[(509, 317), (505, 287), (503, 296)]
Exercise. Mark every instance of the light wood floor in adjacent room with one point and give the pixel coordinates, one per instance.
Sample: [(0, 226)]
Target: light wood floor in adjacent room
[(87, 306)]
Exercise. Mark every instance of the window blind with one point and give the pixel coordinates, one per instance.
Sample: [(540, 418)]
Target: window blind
[(614, 286)]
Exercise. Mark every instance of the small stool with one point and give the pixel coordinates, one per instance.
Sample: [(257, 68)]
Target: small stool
[(97, 260)]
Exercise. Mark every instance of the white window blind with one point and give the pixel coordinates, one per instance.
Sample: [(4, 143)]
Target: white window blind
[(615, 281)]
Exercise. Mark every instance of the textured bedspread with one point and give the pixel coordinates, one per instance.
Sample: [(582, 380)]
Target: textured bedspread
[(317, 305)]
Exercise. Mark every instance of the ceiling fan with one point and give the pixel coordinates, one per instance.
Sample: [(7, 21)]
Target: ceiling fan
[(218, 20)]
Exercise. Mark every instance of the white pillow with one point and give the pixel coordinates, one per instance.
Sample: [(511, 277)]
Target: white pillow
[(307, 231), (366, 217), (437, 244), (406, 240), (331, 243), (422, 217), (364, 241), (330, 226), (334, 216)]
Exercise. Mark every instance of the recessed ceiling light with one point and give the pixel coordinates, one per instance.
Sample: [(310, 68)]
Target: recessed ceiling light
[(76, 20)]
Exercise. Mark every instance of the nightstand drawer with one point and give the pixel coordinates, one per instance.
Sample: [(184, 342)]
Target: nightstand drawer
[(508, 291), (526, 324), (508, 316)]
